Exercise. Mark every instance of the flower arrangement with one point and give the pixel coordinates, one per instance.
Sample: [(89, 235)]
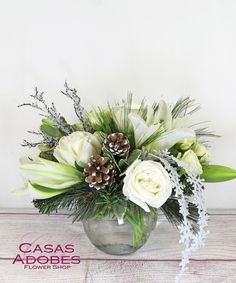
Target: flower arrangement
[(124, 161)]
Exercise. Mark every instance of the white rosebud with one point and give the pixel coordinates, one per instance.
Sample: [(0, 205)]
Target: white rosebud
[(147, 183), (77, 147), (201, 151), (191, 160)]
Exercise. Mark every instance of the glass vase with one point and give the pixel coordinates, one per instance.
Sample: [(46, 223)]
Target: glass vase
[(118, 239)]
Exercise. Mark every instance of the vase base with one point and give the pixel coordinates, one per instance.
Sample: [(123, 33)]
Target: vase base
[(118, 249)]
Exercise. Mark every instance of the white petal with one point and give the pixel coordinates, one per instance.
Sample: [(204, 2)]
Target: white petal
[(50, 174), (169, 139), (141, 131), (164, 114), (42, 194), (180, 122)]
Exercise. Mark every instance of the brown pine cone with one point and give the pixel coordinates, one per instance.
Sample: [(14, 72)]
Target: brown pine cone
[(117, 144), (100, 172)]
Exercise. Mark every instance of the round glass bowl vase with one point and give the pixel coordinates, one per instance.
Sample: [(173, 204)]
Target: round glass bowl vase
[(118, 239)]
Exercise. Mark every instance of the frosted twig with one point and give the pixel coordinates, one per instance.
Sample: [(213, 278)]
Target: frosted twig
[(45, 139), (49, 112), (79, 110)]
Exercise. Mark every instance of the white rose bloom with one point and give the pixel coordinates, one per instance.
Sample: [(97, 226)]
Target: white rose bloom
[(191, 160), (77, 147), (147, 183)]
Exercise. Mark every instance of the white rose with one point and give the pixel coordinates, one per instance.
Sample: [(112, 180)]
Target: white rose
[(77, 147), (191, 160), (147, 183)]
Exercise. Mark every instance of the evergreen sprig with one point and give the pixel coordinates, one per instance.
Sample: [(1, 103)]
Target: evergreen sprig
[(84, 202), (184, 106)]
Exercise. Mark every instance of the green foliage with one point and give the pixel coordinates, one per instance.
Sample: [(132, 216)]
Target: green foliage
[(136, 216), (184, 106), (115, 119), (47, 155), (122, 119), (135, 154), (84, 202), (49, 128), (205, 132), (218, 173), (101, 120)]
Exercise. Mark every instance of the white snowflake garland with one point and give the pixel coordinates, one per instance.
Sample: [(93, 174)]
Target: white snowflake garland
[(192, 240)]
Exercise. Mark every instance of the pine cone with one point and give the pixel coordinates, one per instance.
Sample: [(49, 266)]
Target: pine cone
[(99, 172), (117, 144)]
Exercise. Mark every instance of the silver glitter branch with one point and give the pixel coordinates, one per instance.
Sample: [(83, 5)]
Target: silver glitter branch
[(50, 112), (47, 111), (79, 110), (45, 139)]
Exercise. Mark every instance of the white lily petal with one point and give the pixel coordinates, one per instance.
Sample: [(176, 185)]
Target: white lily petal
[(164, 114), (169, 139), (141, 131), (140, 127), (44, 193), (150, 116), (150, 131), (50, 174), (180, 122), (20, 191)]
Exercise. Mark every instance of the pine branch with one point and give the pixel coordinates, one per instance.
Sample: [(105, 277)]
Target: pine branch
[(81, 198), (184, 106), (205, 132), (84, 202)]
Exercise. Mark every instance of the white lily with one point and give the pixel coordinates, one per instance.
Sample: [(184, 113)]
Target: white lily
[(174, 131), (170, 138), (141, 130), (163, 114), (180, 122), (49, 174), (39, 192)]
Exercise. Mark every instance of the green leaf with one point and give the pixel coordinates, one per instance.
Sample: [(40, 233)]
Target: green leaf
[(79, 167), (218, 173), (123, 164), (108, 154), (44, 148), (135, 154), (51, 131), (77, 127), (47, 155), (48, 122)]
